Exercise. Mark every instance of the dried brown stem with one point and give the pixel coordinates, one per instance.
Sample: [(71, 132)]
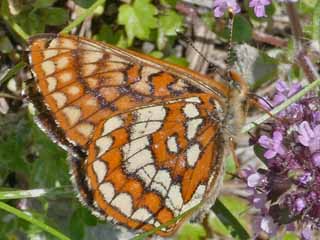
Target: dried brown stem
[(269, 39)]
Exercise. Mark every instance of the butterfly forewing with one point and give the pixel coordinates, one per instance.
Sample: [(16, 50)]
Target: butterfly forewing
[(149, 131)]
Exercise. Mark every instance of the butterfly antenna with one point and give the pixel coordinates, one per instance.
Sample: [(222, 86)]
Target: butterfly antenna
[(231, 59), (190, 42)]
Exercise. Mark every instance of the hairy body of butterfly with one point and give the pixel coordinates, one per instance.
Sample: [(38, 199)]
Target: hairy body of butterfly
[(146, 138)]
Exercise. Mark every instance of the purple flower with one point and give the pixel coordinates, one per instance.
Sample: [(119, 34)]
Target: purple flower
[(306, 233), (259, 7), (274, 145), (305, 178), (268, 225), (220, 6), (259, 200), (309, 137), (300, 204), (255, 180)]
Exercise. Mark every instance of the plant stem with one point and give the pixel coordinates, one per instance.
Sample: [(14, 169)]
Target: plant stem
[(30, 219), (81, 18), (282, 106)]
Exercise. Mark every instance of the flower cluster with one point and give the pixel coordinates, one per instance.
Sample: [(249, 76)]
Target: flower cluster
[(221, 6), (287, 192)]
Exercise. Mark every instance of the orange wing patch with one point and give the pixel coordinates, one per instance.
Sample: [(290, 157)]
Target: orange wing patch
[(143, 154)]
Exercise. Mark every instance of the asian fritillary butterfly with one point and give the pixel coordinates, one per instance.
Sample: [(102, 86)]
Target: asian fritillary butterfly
[(145, 137)]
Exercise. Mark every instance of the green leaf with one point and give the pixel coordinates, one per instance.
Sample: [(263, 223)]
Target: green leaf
[(43, 3), (107, 34), (85, 3), (191, 231), (76, 225), (54, 16), (242, 30), (264, 69), (176, 60), (230, 221), (51, 165), (156, 54), (169, 25), (138, 19), (208, 19), (290, 236), (5, 45)]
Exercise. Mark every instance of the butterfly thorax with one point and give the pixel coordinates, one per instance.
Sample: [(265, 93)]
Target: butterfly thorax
[(236, 105)]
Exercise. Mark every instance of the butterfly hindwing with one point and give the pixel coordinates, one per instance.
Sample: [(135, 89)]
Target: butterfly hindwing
[(150, 165)]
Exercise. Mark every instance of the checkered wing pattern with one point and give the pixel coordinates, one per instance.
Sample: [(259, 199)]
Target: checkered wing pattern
[(144, 136), (150, 165)]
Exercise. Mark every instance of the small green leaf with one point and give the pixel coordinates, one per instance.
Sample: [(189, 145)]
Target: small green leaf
[(107, 34), (230, 221), (242, 30), (54, 16), (138, 19), (191, 231), (169, 25), (5, 45), (176, 60), (156, 54)]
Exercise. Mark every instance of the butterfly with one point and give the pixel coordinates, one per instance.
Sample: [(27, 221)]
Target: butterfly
[(146, 139)]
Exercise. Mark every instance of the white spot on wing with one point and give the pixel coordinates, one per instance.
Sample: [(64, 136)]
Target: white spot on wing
[(88, 69), (107, 191), (123, 202), (60, 99), (192, 127), (193, 154), (52, 83), (141, 214), (138, 160), (103, 144), (134, 146), (174, 200), (67, 43), (62, 62), (145, 128), (73, 90), (91, 57), (50, 53), (161, 182), (48, 67), (193, 99), (112, 124), (156, 113), (147, 173), (65, 77), (100, 170), (190, 110), (172, 144), (85, 129), (73, 114)]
